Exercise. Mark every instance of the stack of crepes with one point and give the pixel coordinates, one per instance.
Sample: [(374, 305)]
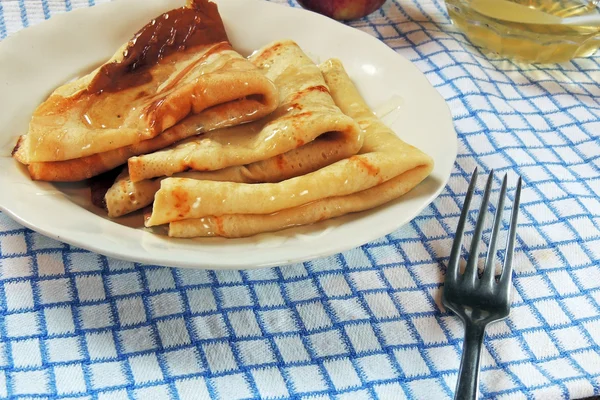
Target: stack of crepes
[(315, 152)]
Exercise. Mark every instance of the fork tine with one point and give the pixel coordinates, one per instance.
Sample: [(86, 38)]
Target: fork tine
[(452, 271), (506, 276), (471, 269), (489, 269)]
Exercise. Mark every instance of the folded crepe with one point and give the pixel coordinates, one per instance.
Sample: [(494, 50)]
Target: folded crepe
[(307, 132), (179, 66), (385, 169), (89, 166), (306, 112), (126, 196)]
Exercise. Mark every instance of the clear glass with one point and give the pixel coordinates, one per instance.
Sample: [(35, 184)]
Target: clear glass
[(528, 42)]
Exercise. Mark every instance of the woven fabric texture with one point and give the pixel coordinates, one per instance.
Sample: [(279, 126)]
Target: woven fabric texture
[(364, 324)]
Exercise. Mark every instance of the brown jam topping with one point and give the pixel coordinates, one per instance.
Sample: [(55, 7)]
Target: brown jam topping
[(197, 24)]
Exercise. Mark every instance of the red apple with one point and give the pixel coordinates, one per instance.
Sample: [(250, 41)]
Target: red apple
[(342, 10)]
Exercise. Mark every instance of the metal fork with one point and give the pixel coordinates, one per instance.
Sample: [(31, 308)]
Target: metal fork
[(479, 301)]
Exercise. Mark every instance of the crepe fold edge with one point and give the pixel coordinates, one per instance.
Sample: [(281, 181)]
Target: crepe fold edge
[(128, 98), (243, 225), (257, 99)]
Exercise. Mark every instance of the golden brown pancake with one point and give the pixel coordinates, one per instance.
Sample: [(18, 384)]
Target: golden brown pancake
[(179, 66), (243, 225), (385, 168), (86, 167)]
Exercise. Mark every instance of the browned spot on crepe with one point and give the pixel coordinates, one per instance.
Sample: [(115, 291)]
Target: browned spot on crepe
[(319, 88), (182, 206), (265, 55), (280, 162), (219, 225), (371, 169)]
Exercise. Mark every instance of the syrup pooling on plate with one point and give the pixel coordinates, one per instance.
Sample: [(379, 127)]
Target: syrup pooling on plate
[(388, 107)]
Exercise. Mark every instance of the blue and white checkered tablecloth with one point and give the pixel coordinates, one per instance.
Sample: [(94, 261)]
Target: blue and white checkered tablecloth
[(365, 324)]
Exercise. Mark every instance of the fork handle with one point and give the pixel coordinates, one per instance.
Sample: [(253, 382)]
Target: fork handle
[(468, 376)]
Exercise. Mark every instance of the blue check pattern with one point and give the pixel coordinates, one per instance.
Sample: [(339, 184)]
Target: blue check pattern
[(364, 324)]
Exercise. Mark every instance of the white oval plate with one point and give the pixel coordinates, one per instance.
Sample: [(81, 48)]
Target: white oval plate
[(36, 60)]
